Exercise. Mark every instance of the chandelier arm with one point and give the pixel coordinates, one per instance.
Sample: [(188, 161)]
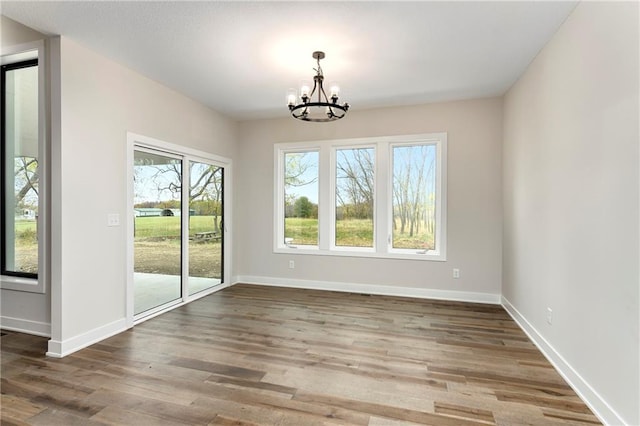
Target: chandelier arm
[(315, 86)]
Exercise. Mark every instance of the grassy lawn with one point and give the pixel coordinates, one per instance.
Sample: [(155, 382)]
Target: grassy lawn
[(157, 242), (303, 231), (169, 226), (156, 256), (352, 233), (26, 248), (157, 246), (26, 227), (421, 240), (157, 226)]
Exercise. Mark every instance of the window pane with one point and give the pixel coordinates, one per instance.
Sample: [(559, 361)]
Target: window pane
[(354, 197), (157, 230), (301, 198), (205, 226), (414, 196), (20, 169)]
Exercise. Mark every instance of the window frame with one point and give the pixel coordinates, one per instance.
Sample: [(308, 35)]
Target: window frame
[(32, 283), (438, 190), (383, 197)]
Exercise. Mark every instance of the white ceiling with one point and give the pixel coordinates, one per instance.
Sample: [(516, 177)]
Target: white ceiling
[(241, 57)]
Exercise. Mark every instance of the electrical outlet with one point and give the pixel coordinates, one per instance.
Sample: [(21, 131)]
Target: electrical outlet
[(292, 264), (456, 273), (549, 316)]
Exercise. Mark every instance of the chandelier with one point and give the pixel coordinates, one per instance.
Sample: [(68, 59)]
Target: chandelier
[(324, 108)]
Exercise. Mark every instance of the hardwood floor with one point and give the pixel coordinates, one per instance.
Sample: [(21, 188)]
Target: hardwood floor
[(251, 355)]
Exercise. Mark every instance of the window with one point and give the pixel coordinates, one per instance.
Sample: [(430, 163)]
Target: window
[(20, 184), (300, 185), (377, 197), (413, 202), (354, 197)]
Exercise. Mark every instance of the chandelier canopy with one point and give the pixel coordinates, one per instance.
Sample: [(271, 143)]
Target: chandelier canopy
[(324, 108)]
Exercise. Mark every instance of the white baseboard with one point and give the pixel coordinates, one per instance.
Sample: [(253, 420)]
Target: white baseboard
[(59, 349), (420, 293), (25, 326), (596, 403)]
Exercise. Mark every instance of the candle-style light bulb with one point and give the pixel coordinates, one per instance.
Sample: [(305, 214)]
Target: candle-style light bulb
[(291, 97), (335, 90), (305, 88)]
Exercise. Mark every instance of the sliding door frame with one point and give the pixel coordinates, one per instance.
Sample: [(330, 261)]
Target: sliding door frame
[(134, 142)]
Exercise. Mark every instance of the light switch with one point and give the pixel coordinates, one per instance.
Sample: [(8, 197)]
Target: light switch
[(113, 219)]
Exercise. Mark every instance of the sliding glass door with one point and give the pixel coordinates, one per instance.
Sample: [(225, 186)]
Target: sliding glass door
[(178, 241)]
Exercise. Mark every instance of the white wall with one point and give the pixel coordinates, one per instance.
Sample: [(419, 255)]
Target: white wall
[(100, 101), (571, 188), (23, 311), (474, 203)]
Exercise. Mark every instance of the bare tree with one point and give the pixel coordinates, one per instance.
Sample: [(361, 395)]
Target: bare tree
[(297, 164), (206, 184), (26, 178), (355, 182), (413, 189)]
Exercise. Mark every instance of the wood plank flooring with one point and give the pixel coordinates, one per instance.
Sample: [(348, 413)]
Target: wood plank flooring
[(252, 355)]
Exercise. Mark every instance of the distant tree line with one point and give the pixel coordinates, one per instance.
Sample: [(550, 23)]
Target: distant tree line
[(198, 207)]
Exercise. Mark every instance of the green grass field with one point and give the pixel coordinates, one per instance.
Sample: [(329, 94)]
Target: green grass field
[(26, 230), (145, 227), (26, 246), (354, 233), (157, 240), (303, 231), (169, 226), (155, 226), (351, 233)]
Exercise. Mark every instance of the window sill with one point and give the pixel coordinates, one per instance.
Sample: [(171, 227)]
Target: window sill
[(315, 251), (29, 285)]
